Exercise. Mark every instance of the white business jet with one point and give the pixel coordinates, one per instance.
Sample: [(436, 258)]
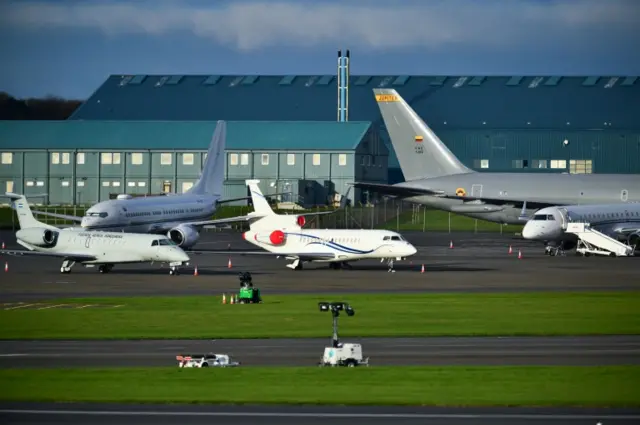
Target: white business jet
[(283, 236), (179, 216), (104, 249), (620, 222)]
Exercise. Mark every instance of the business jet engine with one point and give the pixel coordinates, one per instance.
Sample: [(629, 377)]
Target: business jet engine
[(38, 236), (184, 236), (275, 238)]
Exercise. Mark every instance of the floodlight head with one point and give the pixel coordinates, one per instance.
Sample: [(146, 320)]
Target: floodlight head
[(350, 311), (324, 306), (337, 306)]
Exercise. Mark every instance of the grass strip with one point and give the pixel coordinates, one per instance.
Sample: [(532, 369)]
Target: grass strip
[(606, 386), (282, 316)]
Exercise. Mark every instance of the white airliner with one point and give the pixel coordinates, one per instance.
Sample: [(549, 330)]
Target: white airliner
[(620, 222), (104, 249), (179, 216), (283, 236)]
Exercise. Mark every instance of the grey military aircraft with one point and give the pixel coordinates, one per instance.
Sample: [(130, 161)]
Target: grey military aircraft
[(435, 176)]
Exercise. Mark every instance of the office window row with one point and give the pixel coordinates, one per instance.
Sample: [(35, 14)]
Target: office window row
[(291, 159), (109, 158)]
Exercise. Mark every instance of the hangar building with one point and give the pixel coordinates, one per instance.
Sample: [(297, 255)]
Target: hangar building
[(83, 162), (311, 135)]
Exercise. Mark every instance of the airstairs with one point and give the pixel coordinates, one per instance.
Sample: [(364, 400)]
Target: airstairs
[(591, 241)]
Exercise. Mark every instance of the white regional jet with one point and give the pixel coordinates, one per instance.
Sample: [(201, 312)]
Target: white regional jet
[(179, 216), (75, 245), (283, 236), (617, 227)]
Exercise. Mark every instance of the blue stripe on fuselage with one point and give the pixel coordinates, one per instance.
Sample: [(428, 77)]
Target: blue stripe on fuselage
[(331, 244)]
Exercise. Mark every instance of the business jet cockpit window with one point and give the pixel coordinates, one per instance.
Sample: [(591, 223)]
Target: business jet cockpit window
[(393, 238), (543, 217), (97, 214), (162, 242)]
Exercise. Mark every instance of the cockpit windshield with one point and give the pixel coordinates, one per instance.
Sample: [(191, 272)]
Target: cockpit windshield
[(163, 242), (543, 217), (393, 238), (97, 214)]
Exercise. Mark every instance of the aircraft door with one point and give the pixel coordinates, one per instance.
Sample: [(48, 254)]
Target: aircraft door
[(476, 190), (564, 217)]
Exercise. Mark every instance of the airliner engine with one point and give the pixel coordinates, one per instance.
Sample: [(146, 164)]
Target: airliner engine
[(634, 240), (38, 236), (184, 236)]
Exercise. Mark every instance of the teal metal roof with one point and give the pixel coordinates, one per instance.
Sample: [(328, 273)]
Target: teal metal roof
[(463, 102), (180, 135)]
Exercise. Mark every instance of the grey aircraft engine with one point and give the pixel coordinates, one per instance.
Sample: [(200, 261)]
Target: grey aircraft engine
[(184, 236), (38, 236)]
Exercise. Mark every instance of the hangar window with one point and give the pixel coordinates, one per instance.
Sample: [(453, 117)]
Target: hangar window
[(64, 183), (131, 184), (80, 183), (9, 186), (558, 163), (233, 159), (520, 163), (481, 163), (115, 184), (109, 158), (539, 163), (244, 159), (60, 158), (291, 159), (187, 159), (186, 186), (7, 157), (165, 159), (136, 158), (142, 184), (105, 184), (29, 183), (39, 184), (316, 159), (580, 166), (342, 159), (265, 159), (80, 158)]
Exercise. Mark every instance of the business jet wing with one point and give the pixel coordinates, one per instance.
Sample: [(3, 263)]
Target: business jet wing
[(74, 257), (306, 255)]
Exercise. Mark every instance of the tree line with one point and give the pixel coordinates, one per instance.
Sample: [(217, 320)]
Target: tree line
[(48, 108)]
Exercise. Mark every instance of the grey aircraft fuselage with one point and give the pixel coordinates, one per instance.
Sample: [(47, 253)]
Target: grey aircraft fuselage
[(547, 188)]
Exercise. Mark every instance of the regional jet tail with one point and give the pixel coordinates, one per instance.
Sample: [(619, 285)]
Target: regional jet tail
[(104, 249)]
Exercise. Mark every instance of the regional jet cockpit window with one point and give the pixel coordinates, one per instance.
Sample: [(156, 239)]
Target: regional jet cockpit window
[(162, 242), (543, 217)]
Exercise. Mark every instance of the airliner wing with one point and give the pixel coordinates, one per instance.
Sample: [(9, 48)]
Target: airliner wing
[(401, 191), (406, 192), (62, 216), (219, 221), (626, 230), (75, 257)]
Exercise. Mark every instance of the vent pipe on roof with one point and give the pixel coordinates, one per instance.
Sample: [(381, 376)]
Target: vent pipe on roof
[(343, 86)]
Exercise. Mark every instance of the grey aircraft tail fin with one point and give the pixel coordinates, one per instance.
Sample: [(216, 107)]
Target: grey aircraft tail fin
[(212, 178), (420, 152)]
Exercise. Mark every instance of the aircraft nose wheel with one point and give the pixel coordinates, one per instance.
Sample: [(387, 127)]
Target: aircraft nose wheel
[(173, 271)]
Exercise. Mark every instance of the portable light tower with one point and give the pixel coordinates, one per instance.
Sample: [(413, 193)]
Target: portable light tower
[(335, 308)]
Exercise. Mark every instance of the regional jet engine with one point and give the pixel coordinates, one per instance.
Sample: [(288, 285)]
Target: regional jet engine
[(184, 236)]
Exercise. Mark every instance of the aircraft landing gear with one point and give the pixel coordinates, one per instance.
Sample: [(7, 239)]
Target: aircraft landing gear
[(66, 266), (173, 271), (296, 265), (390, 264), (340, 265), (555, 251), (105, 268)]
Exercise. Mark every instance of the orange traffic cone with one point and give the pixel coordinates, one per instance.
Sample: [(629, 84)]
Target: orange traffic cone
[(451, 245), (195, 271), (2, 245), (519, 255), (229, 264), (231, 300), (6, 267), (422, 269), (510, 250), (224, 299)]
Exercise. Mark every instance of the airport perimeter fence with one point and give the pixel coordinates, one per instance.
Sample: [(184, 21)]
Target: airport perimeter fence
[(391, 214)]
